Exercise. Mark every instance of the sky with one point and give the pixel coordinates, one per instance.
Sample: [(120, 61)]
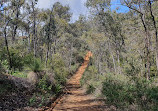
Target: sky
[(116, 3), (78, 7)]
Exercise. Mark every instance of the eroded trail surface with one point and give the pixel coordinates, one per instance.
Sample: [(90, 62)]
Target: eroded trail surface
[(76, 99)]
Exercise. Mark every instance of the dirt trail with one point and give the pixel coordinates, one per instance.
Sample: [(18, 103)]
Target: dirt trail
[(76, 99)]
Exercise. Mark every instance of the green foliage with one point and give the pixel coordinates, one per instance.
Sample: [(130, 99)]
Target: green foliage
[(58, 88), (152, 95), (59, 69), (89, 74), (153, 71), (132, 91), (79, 59), (131, 68), (44, 85), (92, 80), (39, 99), (28, 59), (74, 68), (99, 3), (16, 59), (117, 91), (121, 90), (32, 100), (19, 74), (36, 65), (90, 89), (5, 64)]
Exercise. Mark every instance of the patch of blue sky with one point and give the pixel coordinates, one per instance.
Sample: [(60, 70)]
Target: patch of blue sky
[(116, 5)]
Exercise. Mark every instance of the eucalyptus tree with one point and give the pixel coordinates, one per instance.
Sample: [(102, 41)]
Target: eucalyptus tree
[(150, 4), (32, 11), (54, 26), (50, 30), (6, 20), (111, 27), (144, 10), (16, 9)]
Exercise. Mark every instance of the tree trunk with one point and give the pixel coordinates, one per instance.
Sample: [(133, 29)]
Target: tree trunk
[(155, 30), (34, 28), (16, 26), (6, 43), (48, 40), (147, 39), (118, 60), (147, 48), (113, 59), (29, 44)]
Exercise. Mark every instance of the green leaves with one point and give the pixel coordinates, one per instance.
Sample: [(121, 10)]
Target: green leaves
[(61, 12), (98, 3), (36, 65)]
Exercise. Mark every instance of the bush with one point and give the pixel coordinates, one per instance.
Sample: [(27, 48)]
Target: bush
[(90, 89), (16, 59), (89, 74), (59, 69), (79, 59), (58, 88), (2, 70), (153, 71), (125, 92), (36, 65), (28, 59), (117, 91), (44, 85), (40, 99), (19, 74), (74, 68), (131, 69), (152, 97)]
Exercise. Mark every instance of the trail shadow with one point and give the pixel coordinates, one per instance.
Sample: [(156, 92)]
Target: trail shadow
[(89, 101), (87, 108)]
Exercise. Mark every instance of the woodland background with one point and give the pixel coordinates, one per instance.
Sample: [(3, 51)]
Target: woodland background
[(41, 49)]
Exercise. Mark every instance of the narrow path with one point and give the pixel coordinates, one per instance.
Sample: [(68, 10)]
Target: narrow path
[(76, 99)]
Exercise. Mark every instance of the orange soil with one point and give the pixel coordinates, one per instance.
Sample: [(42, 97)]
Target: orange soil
[(75, 98)]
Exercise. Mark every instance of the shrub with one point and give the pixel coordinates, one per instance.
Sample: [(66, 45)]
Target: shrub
[(74, 68), (32, 100), (59, 69), (131, 69), (90, 89), (79, 59), (28, 59), (2, 70), (118, 91), (19, 74), (16, 59), (152, 97), (125, 92), (44, 85), (36, 65), (58, 88), (153, 71), (89, 74)]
